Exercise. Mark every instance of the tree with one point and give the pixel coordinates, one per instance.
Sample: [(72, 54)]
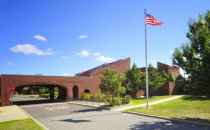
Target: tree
[(181, 85), (170, 78), (156, 78), (112, 83), (194, 56), (134, 80)]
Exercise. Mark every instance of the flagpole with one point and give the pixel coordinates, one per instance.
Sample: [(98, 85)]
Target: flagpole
[(146, 69)]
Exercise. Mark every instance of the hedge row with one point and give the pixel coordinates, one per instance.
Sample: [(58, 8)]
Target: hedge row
[(108, 99)]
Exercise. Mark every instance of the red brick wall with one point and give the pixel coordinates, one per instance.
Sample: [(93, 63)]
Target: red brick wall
[(120, 66), (9, 81), (83, 82)]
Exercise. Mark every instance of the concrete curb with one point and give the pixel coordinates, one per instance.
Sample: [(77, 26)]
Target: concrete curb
[(167, 118), (83, 105), (88, 105), (35, 120)]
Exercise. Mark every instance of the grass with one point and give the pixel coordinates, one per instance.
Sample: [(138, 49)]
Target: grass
[(143, 100), (187, 107), (26, 124)]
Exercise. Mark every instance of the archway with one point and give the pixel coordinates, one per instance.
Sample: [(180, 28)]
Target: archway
[(86, 91), (39, 93), (75, 92)]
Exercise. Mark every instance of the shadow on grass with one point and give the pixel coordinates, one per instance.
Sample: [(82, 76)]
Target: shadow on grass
[(75, 121), (196, 98), (166, 125)]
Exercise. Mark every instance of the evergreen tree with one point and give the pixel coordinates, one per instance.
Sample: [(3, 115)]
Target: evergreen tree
[(194, 56)]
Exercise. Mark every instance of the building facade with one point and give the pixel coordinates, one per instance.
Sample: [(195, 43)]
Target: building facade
[(69, 87)]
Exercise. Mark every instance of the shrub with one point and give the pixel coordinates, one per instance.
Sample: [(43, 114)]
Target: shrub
[(92, 97), (98, 97), (85, 96), (126, 99), (107, 99), (116, 101)]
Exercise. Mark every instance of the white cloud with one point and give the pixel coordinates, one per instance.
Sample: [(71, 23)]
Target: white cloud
[(11, 63), (96, 55), (40, 37), (153, 62), (66, 74), (104, 59), (84, 53), (82, 36), (29, 49)]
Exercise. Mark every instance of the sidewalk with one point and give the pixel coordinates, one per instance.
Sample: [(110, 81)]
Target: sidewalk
[(123, 108), (9, 113)]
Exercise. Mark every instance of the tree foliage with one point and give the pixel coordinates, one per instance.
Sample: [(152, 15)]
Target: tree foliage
[(156, 78), (112, 83), (194, 56), (134, 80)]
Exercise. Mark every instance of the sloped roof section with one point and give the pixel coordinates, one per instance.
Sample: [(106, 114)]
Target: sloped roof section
[(119, 66)]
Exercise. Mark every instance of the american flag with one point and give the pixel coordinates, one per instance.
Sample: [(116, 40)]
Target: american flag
[(151, 20)]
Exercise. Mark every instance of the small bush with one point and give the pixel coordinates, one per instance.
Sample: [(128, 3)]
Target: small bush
[(126, 100), (113, 101), (98, 97), (107, 99), (116, 101), (85, 96)]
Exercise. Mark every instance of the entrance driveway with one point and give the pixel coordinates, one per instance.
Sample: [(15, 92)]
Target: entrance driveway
[(64, 116)]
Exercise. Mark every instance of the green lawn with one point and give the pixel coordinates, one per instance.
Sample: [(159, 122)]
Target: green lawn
[(26, 124), (141, 101), (187, 107)]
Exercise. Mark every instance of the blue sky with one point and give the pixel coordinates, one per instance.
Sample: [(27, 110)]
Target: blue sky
[(68, 36)]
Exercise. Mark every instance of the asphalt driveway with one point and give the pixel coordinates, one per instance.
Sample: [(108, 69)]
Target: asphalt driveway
[(64, 116)]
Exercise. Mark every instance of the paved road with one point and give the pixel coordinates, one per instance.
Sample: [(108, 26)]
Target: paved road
[(63, 116)]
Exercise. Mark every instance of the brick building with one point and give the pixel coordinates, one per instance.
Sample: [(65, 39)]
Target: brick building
[(69, 87), (173, 70), (168, 87)]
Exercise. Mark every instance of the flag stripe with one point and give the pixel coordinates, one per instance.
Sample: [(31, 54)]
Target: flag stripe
[(151, 20)]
